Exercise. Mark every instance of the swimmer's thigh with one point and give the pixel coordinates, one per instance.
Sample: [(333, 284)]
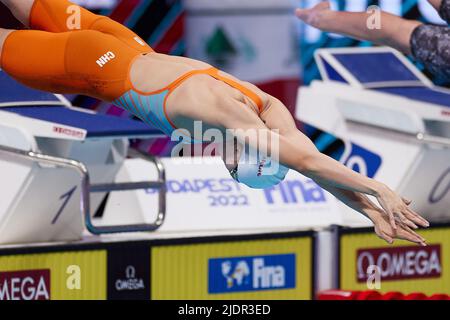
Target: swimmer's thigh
[(84, 62)]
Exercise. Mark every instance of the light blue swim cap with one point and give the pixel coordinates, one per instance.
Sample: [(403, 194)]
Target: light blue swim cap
[(258, 171)]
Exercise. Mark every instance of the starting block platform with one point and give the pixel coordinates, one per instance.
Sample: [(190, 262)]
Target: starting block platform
[(56, 159)]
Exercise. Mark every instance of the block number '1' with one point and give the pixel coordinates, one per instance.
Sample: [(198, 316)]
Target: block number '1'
[(65, 197)]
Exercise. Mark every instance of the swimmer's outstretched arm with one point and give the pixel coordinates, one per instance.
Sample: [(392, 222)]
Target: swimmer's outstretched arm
[(394, 32), (362, 204), (299, 153)]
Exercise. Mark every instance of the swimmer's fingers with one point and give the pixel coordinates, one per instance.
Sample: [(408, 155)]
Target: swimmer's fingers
[(416, 218), (405, 233), (385, 237), (385, 231), (403, 219)]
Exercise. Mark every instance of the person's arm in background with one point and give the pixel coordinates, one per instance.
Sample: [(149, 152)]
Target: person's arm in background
[(429, 44), (394, 31), (362, 204)]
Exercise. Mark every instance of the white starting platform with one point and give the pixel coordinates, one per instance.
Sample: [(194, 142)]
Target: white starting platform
[(395, 123), (58, 163)]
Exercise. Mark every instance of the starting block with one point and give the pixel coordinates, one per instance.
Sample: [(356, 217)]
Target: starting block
[(376, 98), (56, 160)]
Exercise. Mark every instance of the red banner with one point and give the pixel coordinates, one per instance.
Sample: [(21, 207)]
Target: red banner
[(25, 285), (399, 263)]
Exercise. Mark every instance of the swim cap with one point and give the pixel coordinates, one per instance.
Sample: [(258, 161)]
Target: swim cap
[(258, 171)]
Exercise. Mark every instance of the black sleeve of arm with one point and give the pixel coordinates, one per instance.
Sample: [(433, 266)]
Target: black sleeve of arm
[(430, 45)]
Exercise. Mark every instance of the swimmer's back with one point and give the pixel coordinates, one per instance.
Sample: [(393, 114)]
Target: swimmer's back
[(170, 68)]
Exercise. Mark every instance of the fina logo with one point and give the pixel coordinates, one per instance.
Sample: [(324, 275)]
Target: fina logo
[(131, 282), (237, 276), (272, 272)]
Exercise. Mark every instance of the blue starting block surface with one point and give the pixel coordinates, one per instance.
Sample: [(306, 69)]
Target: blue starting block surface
[(96, 125), (13, 93), (382, 70), (16, 98), (376, 68)]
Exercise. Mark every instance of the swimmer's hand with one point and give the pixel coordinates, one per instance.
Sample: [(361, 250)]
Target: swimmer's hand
[(397, 209), (316, 16), (384, 230)]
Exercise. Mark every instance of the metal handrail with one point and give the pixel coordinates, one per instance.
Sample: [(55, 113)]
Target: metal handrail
[(86, 188), (160, 184)]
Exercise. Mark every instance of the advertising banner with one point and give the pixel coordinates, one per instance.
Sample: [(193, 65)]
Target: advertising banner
[(367, 262), (272, 268), (129, 271), (79, 275)]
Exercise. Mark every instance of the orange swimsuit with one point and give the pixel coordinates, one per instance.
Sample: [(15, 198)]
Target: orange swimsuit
[(83, 53)]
